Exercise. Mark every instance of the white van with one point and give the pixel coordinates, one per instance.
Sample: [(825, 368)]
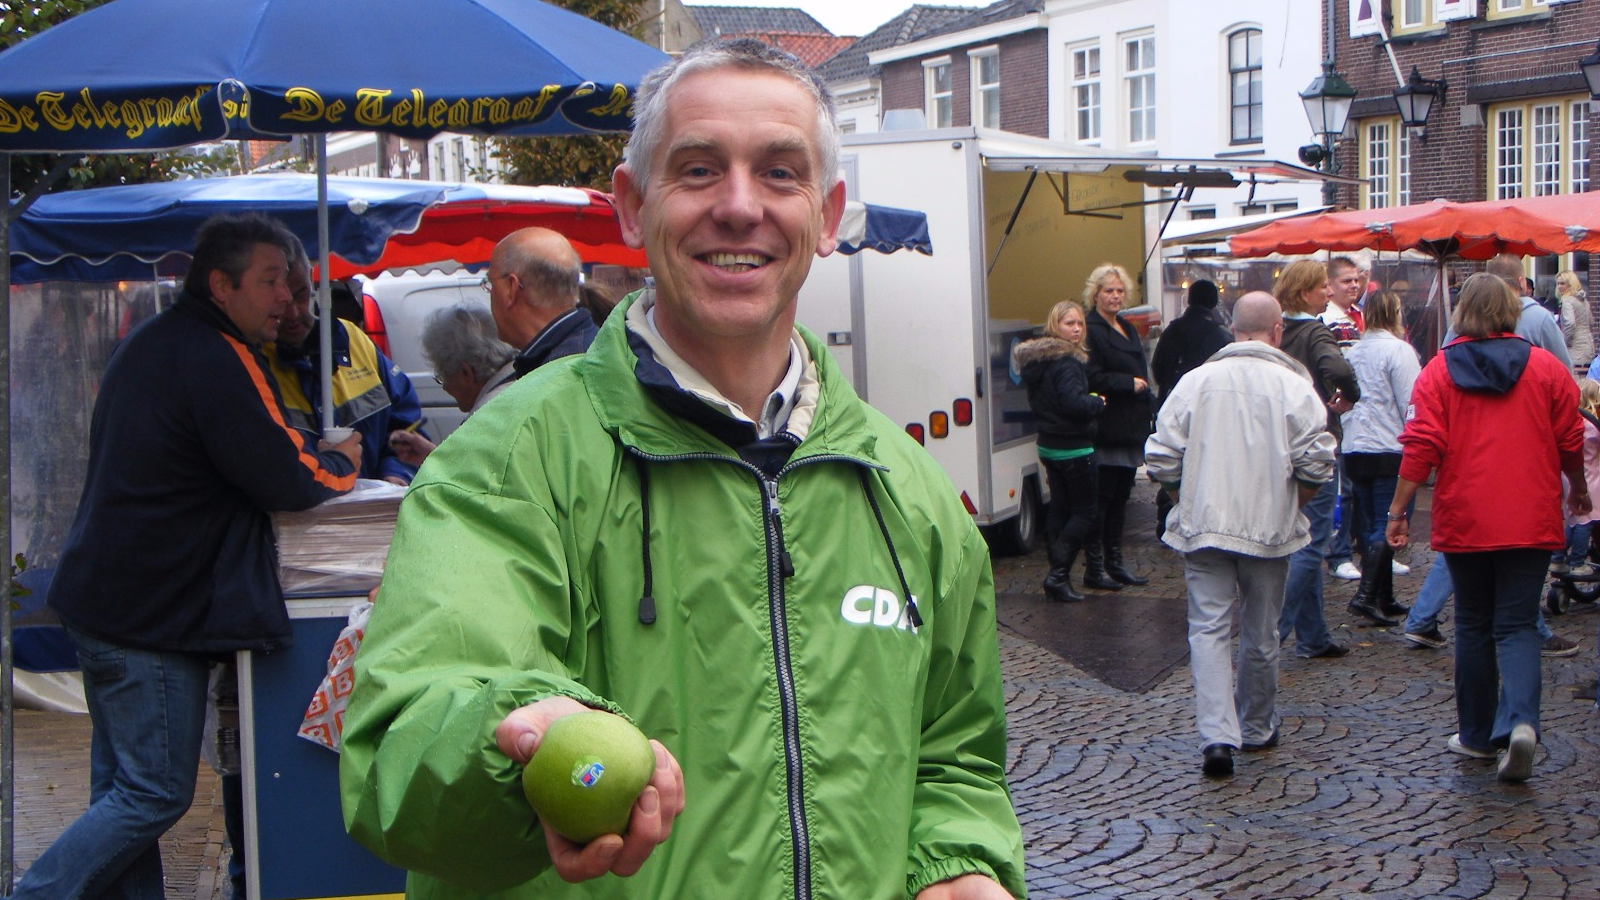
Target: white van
[(395, 307)]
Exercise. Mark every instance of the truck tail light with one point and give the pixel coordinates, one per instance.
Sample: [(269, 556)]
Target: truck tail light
[(963, 411), (967, 502), (372, 323), (915, 430), (939, 424)]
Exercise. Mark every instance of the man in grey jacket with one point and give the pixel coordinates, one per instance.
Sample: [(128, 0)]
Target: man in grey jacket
[(1249, 416)]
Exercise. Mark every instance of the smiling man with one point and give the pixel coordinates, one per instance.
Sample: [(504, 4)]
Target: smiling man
[(697, 525), (171, 561)]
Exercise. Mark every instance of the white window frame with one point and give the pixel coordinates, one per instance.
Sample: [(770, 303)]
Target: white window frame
[(1538, 147), (1403, 10), (932, 96), (1255, 105), (1385, 162), (1138, 60), (1086, 88), (1578, 143), (985, 95), (1546, 135)]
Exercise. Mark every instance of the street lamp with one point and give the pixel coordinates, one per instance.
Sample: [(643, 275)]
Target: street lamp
[(1416, 98), (1591, 71), (1327, 102)]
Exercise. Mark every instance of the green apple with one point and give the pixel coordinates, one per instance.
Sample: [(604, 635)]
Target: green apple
[(587, 773)]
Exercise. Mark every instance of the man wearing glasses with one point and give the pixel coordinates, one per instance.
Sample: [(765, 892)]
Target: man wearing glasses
[(533, 296)]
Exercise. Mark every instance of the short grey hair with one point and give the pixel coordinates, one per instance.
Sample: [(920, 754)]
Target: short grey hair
[(464, 335), (649, 103)]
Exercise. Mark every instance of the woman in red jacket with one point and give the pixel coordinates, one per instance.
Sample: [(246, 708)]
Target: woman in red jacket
[(1498, 418)]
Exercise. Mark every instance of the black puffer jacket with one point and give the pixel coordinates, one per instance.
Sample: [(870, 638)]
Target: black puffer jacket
[(1115, 361), (1312, 345), (1058, 393)]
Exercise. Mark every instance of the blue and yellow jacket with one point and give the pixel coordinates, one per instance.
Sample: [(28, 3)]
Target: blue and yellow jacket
[(370, 394)]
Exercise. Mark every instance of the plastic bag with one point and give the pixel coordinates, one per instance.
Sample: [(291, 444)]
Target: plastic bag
[(324, 719)]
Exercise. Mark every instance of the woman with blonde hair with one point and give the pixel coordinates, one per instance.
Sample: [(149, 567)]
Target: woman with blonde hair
[(1577, 325), (1117, 371), (1053, 371), (1497, 419), (1386, 367), (1302, 290)]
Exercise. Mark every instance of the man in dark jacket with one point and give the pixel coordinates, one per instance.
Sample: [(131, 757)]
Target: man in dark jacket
[(533, 294), (1186, 343), (171, 563), (1190, 339)]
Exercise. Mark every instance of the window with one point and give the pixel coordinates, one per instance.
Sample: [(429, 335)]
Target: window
[(1244, 73), (1578, 159), (1385, 163), (1499, 9), (1538, 147), (986, 88), (458, 157), (936, 79), (1139, 73), (1413, 13), (1197, 213), (1086, 93)]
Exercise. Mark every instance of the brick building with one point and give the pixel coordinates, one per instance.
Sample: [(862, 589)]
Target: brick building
[(954, 75), (1515, 119)]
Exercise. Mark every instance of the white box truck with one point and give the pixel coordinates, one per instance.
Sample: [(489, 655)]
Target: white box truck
[(1016, 224)]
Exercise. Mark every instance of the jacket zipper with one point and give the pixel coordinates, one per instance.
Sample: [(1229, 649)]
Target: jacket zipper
[(778, 621)]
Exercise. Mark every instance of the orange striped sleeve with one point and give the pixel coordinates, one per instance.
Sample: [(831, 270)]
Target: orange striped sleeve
[(264, 391)]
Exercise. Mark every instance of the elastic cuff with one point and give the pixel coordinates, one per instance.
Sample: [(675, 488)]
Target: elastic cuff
[(946, 869)]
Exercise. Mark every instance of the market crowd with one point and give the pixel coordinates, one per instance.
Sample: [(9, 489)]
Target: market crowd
[(1289, 438)]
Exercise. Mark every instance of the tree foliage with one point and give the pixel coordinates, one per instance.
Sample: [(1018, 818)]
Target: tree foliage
[(21, 19), (581, 160)]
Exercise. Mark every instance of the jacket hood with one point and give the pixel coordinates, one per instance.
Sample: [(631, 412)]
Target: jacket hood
[(1263, 351), (1043, 350), (1491, 365)]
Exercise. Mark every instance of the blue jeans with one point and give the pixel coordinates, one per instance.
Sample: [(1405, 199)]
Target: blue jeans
[(1431, 597), (1350, 519), (1578, 543), (1497, 643), (1435, 593), (1302, 596), (148, 711)]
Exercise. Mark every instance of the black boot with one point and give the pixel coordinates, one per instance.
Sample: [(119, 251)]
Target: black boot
[(1387, 604), (1094, 569), (1115, 568), (1058, 582), (1365, 602)]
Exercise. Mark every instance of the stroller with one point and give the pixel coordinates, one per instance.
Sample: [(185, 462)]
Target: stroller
[(1567, 588)]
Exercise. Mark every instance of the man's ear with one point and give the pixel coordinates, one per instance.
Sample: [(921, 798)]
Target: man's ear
[(629, 196), (832, 212), (220, 286)]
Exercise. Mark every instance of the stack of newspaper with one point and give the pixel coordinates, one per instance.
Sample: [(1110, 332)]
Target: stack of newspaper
[(340, 546)]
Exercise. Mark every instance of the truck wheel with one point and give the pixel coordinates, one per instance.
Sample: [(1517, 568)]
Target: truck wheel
[(1020, 534)]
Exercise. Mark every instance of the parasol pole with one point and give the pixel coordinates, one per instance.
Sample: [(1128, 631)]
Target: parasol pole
[(8, 795), (324, 290)]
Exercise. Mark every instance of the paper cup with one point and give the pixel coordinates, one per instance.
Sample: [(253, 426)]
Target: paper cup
[(337, 435)]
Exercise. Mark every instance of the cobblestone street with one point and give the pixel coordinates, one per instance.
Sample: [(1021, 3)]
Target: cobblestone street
[(1359, 799)]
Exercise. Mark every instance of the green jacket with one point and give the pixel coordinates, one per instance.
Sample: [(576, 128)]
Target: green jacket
[(830, 748)]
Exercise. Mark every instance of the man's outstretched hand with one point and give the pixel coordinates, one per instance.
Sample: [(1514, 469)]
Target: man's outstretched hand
[(650, 824)]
